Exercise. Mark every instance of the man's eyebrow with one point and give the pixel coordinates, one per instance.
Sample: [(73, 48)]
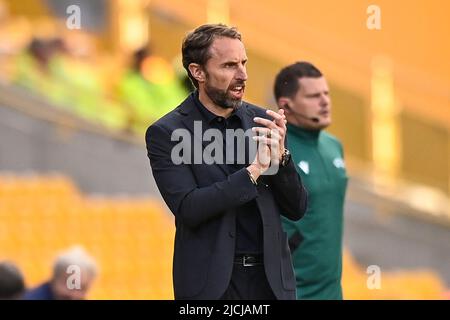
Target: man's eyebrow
[(317, 93), (230, 62), (312, 94), (234, 62)]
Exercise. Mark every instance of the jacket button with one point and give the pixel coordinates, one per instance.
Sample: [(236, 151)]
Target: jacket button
[(231, 234)]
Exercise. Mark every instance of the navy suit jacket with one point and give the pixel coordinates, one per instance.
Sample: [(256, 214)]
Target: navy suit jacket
[(203, 197)]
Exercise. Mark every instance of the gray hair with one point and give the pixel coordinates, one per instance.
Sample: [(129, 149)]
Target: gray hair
[(75, 256)]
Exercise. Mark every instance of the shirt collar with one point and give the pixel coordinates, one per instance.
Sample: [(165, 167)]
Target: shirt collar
[(309, 135), (208, 115)]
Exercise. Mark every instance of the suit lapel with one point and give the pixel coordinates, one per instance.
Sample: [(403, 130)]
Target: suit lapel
[(247, 117), (191, 116), (247, 124)]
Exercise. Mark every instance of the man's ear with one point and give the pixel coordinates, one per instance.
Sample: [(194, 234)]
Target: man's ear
[(197, 72), (285, 104)]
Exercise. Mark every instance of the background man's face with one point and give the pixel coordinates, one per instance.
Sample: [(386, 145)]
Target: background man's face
[(313, 100), (226, 73), (61, 291)]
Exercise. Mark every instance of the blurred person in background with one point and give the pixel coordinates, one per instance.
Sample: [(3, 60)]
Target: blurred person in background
[(149, 89), (12, 284), (64, 71), (36, 70), (76, 65), (73, 274), (315, 241), (180, 72), (33, 68)]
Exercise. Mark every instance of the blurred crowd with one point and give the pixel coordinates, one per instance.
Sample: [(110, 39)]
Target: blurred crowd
[(123, 92)]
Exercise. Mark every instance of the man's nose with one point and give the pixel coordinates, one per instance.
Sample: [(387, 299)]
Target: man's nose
[(241, 73), (324, 100)]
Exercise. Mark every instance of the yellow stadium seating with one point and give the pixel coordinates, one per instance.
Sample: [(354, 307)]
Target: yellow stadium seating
[(408, 285), (132, 242)]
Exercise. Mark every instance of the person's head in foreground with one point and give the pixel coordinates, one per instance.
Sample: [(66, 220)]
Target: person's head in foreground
[(215, 60)]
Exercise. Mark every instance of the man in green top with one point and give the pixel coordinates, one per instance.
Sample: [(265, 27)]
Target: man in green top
[(316, 240)]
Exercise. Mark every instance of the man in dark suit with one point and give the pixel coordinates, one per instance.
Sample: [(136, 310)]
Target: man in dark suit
[(229, 243)]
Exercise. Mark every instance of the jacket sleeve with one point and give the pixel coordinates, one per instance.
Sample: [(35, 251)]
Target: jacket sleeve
[(192, 204), (289, 192)]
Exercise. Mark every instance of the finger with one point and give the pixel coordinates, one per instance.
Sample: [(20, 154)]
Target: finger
[(283, 121), (271, 124), (267, 132), (275, 134), (261, 130), (283, 116), (278, 117), (271, 142), (275, 115), (265, 122), (264, 157)]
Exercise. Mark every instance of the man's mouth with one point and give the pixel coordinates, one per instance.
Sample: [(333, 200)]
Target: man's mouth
[(238, 91)]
